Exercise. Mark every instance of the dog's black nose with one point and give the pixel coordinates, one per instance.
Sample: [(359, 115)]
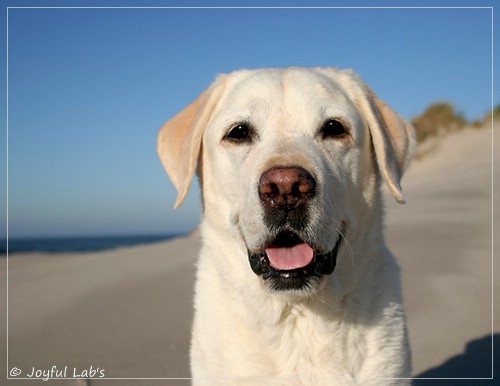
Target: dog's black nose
[(286, 187)]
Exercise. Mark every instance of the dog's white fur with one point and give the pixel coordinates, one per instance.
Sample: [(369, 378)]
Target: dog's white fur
[(350, 328)]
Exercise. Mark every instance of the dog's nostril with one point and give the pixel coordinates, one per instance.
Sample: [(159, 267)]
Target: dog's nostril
[(268, 189), (274, 189)]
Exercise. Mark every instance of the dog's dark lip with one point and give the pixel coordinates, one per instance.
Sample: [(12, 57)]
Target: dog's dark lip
[(294, 279), (286, 239)]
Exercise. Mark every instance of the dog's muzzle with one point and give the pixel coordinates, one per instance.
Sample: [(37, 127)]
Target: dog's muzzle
[(288, 261)]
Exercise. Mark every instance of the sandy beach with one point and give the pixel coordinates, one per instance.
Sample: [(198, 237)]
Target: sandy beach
[(127, 313)]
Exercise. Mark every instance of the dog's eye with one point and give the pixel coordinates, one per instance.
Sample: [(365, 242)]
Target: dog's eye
[(239, 133), (333, 129)]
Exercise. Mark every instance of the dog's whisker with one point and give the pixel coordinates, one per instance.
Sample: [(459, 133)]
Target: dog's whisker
[(348, 244), (341, 231)]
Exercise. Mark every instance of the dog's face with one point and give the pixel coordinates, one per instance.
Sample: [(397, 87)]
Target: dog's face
[(284, 151), (289, 163)]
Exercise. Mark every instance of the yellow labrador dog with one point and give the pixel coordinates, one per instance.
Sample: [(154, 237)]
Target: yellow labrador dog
[(295, 284)]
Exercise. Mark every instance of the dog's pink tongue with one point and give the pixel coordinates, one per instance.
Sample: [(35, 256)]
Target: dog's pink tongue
[(286, 258)]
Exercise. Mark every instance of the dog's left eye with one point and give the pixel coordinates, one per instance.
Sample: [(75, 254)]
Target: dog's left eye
[(333, 129), (239, 133)]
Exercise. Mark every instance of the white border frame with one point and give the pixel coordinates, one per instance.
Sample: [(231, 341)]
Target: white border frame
[(491, 8)]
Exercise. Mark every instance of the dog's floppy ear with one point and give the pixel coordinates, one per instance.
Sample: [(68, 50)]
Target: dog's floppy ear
[(179, 140), (394, 142), (393, 139)]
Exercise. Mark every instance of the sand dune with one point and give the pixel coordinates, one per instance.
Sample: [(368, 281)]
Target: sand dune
[(443, 240), (128, 312)]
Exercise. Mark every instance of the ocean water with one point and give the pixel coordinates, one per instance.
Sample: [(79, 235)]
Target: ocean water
[(77, 244)]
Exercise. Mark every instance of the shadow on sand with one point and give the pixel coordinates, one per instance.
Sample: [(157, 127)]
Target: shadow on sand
[(475, 362)]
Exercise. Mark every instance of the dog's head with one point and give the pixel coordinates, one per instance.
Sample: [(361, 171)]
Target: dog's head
[(290, 161)]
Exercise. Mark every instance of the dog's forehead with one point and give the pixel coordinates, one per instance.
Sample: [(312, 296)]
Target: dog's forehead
[(285, 87)]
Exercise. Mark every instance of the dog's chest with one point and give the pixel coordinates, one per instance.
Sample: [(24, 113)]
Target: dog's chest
[(308, 346)]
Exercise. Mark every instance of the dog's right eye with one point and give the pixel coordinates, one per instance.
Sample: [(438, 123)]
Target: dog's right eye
[(239, 133)]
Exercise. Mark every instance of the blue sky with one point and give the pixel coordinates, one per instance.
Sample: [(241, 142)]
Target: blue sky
[(88, 90)]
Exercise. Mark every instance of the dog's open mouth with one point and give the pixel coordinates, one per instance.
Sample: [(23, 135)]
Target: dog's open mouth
[(289, 263)]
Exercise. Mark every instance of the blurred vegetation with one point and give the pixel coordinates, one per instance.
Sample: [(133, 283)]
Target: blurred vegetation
[(442, 117), (495, 114), (438, 118)]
